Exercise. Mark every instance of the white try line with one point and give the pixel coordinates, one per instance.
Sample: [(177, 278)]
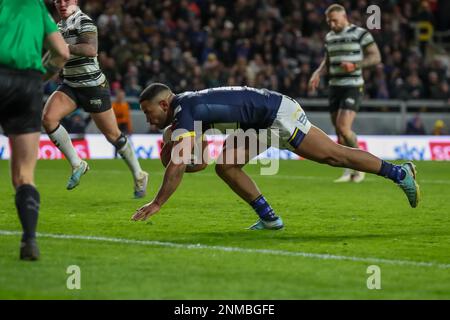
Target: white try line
[(199, 246)]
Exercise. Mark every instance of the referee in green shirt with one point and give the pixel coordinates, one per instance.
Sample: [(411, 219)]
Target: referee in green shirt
[(349, 49), (26, 27)]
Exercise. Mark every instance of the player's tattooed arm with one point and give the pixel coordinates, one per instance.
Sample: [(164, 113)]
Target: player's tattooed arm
[(372, 56), (87, 45)]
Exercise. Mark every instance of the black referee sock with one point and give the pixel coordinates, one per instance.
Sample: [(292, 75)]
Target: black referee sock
[(27, 204)]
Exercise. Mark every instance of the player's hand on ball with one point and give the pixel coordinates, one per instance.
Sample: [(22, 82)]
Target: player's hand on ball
[(146, 211)]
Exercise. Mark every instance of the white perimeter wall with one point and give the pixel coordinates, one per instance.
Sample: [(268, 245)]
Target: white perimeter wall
[(95, 146)]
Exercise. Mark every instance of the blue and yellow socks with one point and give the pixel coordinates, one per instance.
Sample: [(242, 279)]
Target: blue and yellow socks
[(391, 171), (263, 209)]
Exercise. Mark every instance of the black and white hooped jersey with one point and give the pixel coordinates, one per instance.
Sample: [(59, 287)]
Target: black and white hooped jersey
[(347, 45), (80, 71)]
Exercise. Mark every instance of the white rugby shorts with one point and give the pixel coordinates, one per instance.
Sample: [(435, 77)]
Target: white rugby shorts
[(290, 125)]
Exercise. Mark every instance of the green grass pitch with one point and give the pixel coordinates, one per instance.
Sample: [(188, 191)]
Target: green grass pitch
[(341, 223)]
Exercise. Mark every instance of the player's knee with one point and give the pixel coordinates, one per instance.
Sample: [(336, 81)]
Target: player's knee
[(49, 122), (119, 142), (343, 130)]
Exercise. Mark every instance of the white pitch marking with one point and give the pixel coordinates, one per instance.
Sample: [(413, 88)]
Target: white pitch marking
[(236, 249)]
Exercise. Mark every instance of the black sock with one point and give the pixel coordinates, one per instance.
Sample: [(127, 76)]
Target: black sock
[(27, 204)]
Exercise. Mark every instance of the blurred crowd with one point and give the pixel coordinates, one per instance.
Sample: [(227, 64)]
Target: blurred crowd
[(277, 44), (416, 126)]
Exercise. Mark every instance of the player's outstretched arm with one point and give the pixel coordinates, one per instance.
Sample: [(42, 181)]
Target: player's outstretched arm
[(172, 178), (57, 55)]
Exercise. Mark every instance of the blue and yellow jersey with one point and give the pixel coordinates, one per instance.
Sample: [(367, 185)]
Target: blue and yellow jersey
[(239, 107)]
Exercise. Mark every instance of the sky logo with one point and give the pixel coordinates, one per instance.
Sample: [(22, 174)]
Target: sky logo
[(406, 152), (144, 153)]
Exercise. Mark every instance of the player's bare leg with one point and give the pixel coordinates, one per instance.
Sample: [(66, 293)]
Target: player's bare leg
[(233, 174), (107, 124), (317, 146), (24, 153), (347, 174), (347, 137), (243, 185), (57, 107)]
